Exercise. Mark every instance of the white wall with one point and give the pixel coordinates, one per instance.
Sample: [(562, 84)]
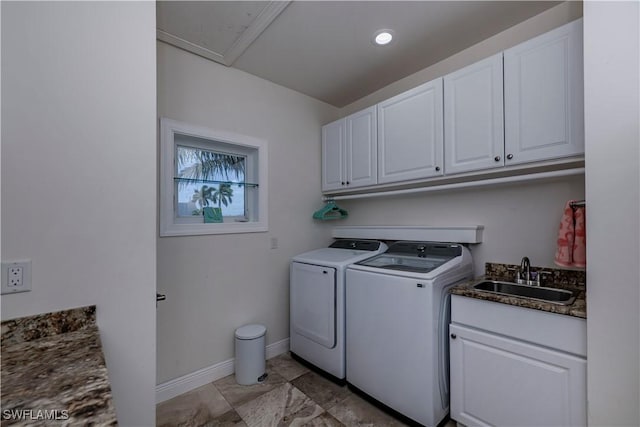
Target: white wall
[(0, 134), (612, 114), (217, 283), (519, 219), (79, 175)]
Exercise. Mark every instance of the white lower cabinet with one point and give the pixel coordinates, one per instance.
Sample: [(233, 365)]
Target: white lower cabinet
[(505, 371)]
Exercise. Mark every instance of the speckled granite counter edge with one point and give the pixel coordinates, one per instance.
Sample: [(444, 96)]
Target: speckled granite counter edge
[(48, 324), (53, 364), (574, 280)]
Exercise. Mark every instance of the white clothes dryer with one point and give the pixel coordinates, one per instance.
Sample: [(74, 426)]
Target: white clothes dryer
[(397, 306), (317, 302)]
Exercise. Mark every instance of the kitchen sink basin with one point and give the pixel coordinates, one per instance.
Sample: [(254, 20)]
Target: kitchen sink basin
[(552, 295)]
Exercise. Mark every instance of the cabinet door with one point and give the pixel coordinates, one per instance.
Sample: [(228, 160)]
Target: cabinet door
[(473, 117), (544, 96), (410, 134), (333, 155), (362, 144), (497, 381)]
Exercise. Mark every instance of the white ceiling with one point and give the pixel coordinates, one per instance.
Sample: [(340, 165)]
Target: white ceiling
[(324, 48)]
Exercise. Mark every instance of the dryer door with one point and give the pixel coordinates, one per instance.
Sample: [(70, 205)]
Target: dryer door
[(313, 303)]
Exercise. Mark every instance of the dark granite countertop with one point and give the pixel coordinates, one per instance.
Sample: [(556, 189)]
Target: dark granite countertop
[(574, 280), (54, 372)]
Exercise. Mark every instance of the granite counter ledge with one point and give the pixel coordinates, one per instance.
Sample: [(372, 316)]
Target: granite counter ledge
[(60, 375), (563, 279)]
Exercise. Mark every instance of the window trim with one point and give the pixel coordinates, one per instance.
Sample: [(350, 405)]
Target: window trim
[(168, 225)]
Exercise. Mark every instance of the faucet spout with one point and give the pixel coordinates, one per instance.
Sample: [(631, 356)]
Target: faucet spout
[(525, 270)]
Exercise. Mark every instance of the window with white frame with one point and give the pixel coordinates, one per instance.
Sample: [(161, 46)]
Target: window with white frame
[(212, 182)]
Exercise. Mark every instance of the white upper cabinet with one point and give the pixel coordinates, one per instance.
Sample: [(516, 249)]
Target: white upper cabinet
[(349, 156), (523, 105), (474, 117), (362, 148), (544, 96), (410, 134), (333, 155)]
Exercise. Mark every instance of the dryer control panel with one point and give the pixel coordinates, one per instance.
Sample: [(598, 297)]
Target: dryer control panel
[(358, 245)]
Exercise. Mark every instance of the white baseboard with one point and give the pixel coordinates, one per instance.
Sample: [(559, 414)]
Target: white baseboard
[(277, 348), (186, 383)]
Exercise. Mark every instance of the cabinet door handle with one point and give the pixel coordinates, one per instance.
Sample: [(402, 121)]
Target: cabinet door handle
[(347, 182), (437, 168), (342, 183), (454, 336), (496, 158), (509, 156)]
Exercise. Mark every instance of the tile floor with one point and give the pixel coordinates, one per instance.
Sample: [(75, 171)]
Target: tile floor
[(292, 395)]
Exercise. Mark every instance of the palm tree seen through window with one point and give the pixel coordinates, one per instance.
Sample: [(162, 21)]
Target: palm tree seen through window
[(209, 178)]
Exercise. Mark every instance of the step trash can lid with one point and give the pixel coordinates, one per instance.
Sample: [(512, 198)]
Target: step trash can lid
[(249, 332)]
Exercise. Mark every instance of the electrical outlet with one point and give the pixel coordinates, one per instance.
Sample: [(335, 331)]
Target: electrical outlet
[(16, 276)]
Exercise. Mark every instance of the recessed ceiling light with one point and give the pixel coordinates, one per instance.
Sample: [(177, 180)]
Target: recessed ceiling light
[(383, 37)]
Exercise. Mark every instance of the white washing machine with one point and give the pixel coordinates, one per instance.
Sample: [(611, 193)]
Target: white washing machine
[(317, 302), (398, 310)]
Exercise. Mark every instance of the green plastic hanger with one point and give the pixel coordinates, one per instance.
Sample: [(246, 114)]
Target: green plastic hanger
[(330, 211)]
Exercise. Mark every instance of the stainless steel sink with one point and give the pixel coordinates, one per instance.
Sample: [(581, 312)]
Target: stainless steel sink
[(552, 295)]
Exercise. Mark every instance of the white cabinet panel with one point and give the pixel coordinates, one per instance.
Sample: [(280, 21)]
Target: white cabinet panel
[(496, 381), (333, 155), (362, 146), (410, 134), (349, 151), (544, 96), (558, 331), (473, 117), (515, 366)]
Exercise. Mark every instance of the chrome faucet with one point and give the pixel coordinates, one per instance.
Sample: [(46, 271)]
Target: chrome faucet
[(524, 275)]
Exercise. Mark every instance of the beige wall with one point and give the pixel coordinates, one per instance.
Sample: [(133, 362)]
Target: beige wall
[(79, 175), (612, 115), (217, 283)]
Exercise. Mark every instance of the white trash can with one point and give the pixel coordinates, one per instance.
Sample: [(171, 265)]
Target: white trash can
[(250, 354)]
